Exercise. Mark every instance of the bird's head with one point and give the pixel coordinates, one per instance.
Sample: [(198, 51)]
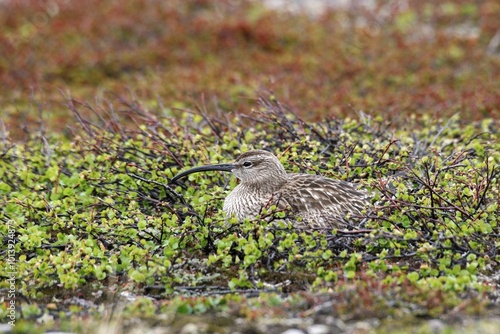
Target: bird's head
[(252, 167)]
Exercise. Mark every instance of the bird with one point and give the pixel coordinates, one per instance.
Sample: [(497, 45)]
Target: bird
[(316, 201)]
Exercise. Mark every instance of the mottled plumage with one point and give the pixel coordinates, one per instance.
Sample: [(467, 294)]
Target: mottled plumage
[(319, 201)]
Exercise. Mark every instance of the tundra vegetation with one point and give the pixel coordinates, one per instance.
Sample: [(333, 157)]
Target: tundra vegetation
[(97, 118)]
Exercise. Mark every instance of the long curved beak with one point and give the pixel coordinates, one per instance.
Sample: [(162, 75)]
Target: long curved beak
[(221, 167)]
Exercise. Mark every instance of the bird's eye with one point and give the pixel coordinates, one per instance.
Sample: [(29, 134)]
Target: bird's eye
[(247, 164)]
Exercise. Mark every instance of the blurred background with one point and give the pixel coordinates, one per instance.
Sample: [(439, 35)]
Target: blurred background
[(324, 58)]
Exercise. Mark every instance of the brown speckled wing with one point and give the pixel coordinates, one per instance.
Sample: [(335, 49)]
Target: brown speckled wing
[(321, 200)]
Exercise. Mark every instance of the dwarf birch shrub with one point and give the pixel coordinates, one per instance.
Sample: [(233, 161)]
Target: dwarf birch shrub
[(99, 207)]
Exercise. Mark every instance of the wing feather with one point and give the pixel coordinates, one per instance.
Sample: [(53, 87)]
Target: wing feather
[(319, 198)]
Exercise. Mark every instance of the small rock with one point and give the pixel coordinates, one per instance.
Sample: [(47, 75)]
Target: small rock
[(366, 326), (6, 328), (436, 325), (335, 324), (128, 296), (293, 331), (190, 329), (318, 329)]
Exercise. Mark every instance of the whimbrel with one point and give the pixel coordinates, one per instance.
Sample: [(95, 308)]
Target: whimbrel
[(319, 201)]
